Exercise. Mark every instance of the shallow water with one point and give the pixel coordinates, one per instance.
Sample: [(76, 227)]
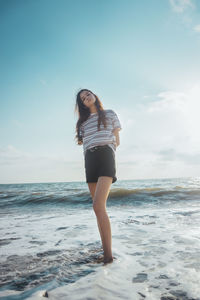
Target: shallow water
[(50, 241)]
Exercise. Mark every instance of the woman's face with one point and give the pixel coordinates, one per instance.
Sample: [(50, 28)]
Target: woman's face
[(87, 98)]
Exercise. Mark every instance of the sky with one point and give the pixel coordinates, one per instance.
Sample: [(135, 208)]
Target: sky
[(140, 57)]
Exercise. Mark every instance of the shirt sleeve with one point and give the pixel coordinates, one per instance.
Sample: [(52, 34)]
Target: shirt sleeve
[(115, 121)]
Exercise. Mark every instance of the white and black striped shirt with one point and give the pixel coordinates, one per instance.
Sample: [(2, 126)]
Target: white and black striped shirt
[(92, 137)]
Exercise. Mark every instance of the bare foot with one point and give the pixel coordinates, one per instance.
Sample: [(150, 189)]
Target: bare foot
[(108, 260)]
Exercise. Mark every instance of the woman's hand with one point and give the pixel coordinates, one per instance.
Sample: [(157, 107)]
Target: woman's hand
[(116, 133)]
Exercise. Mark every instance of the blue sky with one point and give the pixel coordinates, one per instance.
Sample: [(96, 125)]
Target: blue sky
[(140, 57)]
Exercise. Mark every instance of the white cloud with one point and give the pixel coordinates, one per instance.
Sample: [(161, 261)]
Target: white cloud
[(10, 154), (196, 28), (180, 6), (183, 108), (172, 155), (164, 139), (186, 11), (19, 166), (168, 101)]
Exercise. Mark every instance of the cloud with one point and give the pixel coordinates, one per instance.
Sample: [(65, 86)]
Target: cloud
[(196, 28), (18, 166), (180, 6), (10, 155), (186, 11), (168, 101), (178, 113), (163, 139), (173, 155)]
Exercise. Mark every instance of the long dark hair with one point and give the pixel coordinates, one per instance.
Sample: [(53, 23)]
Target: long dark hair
[(84, 112)]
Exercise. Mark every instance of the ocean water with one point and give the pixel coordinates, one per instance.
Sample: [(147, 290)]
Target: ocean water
[(49, 241)]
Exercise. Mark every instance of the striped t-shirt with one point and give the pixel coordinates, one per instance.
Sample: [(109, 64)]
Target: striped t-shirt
[(92, 137)]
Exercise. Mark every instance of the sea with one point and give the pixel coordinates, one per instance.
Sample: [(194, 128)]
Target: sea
[(50, 243)]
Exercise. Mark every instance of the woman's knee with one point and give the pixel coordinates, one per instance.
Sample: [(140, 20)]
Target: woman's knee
[(98, 208)]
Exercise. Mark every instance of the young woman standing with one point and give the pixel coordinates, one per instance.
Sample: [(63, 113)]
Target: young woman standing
[(98, 130)]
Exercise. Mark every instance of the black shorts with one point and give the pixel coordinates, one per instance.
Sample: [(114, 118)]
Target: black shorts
[(100, 161)]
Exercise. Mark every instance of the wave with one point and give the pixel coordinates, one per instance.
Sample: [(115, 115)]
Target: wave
[(80, 197), (156, 192)]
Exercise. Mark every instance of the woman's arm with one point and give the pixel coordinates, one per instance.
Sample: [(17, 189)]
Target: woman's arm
[(116, 133)]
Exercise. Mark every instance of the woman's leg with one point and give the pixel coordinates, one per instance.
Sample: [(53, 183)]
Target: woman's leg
[(92, 188), (99, 206)]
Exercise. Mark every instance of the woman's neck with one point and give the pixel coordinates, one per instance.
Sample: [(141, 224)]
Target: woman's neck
[(93, 110)]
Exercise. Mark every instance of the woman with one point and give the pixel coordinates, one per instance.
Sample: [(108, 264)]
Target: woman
[(98, 130)]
